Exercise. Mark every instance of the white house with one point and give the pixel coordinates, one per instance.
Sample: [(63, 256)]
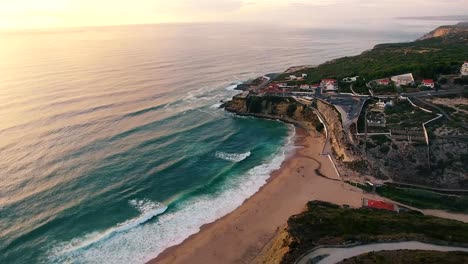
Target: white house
[(380, 104), (329, 84), (389, 103), (350, 79), (429, 83), (304, 75), (292, 77), (464, 69), (403, 79)]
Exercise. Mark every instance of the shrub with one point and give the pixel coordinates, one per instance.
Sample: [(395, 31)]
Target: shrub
[(291, 110)]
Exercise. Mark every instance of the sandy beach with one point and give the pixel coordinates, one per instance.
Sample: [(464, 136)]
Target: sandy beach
[(239, 236)]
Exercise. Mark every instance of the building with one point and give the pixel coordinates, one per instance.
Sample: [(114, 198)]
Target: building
[(380, 104), (305, 87), (429, 83), (273, 88), (304, 75), (464, 69), (350, 79), (376, 119), (292, 77), (329, 85), (385, 81), (374, 204), (404, 79)]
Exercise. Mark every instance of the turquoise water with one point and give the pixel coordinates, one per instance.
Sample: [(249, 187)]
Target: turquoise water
[(112, 147)]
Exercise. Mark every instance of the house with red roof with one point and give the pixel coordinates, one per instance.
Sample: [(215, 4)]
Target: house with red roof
[(329, 84), (381, 205), (385, 81), (428, 83)]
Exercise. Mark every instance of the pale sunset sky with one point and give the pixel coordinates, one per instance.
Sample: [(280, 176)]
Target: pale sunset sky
[(73, 13)]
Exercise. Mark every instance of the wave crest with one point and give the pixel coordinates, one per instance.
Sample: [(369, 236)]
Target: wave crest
[(236, 157), (233, 86), (148, 209)]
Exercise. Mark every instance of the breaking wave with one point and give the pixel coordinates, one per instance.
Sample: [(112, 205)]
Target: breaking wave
[(232, 156), (233, 86), (145, 242), (148, 209)]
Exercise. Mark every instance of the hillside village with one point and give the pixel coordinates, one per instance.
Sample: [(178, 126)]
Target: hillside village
[(402, 127)]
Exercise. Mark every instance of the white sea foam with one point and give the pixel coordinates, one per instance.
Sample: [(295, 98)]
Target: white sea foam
[(144, 242), (236, 157), (216, 106), (148, 209), (233, 86)]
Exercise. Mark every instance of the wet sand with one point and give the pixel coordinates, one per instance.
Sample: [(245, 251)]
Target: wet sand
[(240, 236)]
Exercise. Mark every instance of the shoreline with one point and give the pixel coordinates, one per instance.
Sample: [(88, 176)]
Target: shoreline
[(242, 234)]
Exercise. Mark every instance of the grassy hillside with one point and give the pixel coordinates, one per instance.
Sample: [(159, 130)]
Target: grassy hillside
[(425, 58), (408, 256), (327, 224)]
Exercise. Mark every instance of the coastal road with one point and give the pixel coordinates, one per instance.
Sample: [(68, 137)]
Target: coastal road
[(333, 255)]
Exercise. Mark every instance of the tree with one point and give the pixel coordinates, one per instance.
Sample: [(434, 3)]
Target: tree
[(291, 110)]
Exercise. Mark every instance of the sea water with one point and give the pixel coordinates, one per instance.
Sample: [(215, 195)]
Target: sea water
[(112, 145)]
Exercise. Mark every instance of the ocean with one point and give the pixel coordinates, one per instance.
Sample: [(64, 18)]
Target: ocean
[(112, 145)]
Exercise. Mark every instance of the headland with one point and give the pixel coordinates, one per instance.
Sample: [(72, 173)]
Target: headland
[(359, 124)]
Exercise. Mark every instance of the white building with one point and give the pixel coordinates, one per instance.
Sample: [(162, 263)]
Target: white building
[(404, 79), (292, 77), (464, 69), (380, 104), (350, 79), (329, 85)]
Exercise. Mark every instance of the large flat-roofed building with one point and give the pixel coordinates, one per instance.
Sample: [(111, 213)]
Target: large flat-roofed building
[(403, 79)]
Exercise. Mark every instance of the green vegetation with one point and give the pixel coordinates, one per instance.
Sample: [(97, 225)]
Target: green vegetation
[(384, 149), (364, 187), (357, 165), (423, 199), (409, 256), (384, 89), (403, 115), (420, 198), (291, 110), (328, 224), (319, 127), (425, 59), (380, 139)]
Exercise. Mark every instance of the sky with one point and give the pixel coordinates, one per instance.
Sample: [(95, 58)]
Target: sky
[(75, 13)]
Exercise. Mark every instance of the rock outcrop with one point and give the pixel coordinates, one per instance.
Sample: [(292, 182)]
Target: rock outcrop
[(445, 31)]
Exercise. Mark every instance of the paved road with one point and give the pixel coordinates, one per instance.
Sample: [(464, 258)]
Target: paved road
[(434, 93), (338, 254)]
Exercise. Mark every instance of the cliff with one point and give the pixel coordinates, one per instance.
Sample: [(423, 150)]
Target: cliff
[(445, 31), (272, 107), (337, 136)]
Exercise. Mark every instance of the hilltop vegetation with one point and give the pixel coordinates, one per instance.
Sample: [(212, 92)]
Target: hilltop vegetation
[(424, 58), (408, 256), (327, 224)]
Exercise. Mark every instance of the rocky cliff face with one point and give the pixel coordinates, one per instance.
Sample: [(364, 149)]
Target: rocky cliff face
[(445, 31), (339, 145), (286, 109)]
